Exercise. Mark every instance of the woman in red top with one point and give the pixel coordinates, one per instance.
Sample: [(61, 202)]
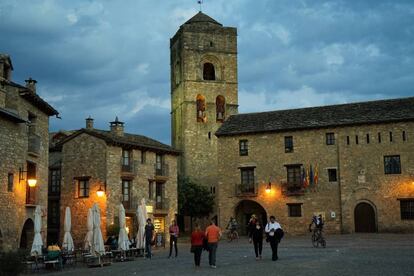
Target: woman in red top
[(197, 244)]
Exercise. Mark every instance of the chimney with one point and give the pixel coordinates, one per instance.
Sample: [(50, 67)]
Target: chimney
[(6, 67), (31, 84), (89, 122), (117, 127)]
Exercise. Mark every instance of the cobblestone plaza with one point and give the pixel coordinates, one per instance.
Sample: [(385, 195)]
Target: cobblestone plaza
[(363, 254)]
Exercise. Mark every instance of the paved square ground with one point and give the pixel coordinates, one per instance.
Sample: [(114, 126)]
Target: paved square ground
[(370, 254)]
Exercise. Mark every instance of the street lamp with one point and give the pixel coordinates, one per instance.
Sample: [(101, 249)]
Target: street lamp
[(269, 187), (30, 181), (100, 192)]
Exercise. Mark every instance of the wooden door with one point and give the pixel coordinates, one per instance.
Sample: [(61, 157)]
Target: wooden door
[(365, 218)]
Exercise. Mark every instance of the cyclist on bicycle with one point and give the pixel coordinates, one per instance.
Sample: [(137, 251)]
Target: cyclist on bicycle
[(232, 225), (317, 220), (317, 237)]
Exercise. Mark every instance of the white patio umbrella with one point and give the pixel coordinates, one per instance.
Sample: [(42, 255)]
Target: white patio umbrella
[(67, 238), (123, 241), (98, 247), (37, 241), (142, 219), (144, 210), (89, 235), (141, 229)]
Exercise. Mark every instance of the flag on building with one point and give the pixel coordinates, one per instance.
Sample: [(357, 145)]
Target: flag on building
[(316, 175), (307, 177), (310, 176), (303, 178)]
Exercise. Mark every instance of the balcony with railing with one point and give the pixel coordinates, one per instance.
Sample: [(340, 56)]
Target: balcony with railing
[(247, 189), (161, 205), (292, 188), (131, 204), (161, 170), (33, 144), (128, 167)]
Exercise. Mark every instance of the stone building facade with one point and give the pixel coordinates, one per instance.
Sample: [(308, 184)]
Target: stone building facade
[(127, 167), (203, 93), (24, 144), (265, 163), (351, 163)]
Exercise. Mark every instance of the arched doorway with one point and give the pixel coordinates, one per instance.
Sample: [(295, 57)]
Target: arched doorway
[(364, 216), (26, 238), (244, 211)]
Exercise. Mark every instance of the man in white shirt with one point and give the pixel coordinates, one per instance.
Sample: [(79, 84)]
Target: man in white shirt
[(270, 230)]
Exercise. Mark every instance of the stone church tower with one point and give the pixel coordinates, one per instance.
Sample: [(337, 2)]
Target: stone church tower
[(203, 93)]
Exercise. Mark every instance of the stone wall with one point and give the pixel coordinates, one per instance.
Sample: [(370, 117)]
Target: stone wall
[(13, 156), (363, 178), (86, 155), (142, 174), (83, 156), (267, 155), (191, 47)]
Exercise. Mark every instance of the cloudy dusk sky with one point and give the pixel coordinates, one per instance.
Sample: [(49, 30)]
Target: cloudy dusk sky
[(108, 58)]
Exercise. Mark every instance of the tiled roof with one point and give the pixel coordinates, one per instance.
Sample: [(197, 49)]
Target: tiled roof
[(56, 137), (14, 117), (372, 112), (127, 140), (202, 18), (35, 99)]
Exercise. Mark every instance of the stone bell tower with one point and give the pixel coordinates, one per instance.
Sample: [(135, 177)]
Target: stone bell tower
[(203, 93)]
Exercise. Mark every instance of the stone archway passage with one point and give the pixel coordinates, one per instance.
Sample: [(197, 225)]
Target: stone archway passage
[(26, 238), (244, 211), (364, 216)]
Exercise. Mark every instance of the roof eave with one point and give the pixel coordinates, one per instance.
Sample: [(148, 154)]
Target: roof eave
[(38, 102), (218, 134), (110, 141), (11, 116)]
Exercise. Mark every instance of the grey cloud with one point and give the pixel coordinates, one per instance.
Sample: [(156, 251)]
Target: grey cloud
[(101, 58)]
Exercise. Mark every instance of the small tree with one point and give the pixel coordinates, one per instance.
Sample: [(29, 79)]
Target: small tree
[(194, 200)]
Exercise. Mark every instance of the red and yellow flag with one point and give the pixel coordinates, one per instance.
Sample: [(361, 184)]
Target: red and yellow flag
[(315, 176)]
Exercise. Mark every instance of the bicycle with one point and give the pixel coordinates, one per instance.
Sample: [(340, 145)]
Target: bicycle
[(232, 235), (317, 238)]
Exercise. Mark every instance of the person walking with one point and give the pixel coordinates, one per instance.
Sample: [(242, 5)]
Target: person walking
[(174, 231), (197, 237), (251, 225), (271, 228), (149, 235), (213, 234), (256, 235)]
